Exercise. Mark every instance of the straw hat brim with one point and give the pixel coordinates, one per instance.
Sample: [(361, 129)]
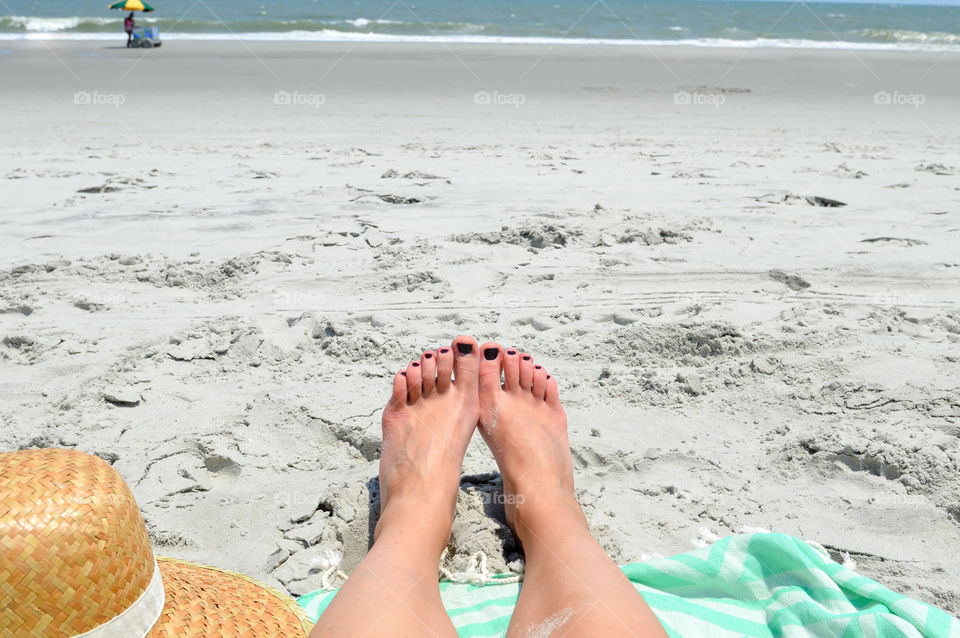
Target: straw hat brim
[(203, 601)]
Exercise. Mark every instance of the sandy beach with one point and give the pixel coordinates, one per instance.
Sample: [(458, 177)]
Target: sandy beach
[(742, 265)]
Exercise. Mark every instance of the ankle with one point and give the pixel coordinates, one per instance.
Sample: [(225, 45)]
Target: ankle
[(414, 527), (548, 520)]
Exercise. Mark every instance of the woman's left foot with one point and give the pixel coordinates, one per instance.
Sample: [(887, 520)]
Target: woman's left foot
[(427, 425)]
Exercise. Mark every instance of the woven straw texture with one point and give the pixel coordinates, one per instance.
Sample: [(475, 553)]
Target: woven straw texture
[(74, 550), (206, 601)]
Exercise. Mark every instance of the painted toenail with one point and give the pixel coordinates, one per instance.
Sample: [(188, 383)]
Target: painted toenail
[(526, 358), (415, 364), (537, 367), (403, 374), (511, 352), (548, 376), (444, 350), (428, 355), (465, 348), (491, 353)]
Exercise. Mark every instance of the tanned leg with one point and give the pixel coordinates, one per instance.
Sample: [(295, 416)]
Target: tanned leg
[(570, 587), (427, 426)]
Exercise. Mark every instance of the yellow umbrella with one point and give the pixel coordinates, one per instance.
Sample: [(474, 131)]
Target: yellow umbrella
[(132, 5)]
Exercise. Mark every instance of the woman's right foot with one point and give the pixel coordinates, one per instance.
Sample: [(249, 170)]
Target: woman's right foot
[(525, 427), (427, 426)]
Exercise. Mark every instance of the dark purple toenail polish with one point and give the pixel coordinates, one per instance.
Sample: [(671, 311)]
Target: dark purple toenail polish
[(444, 350), (491, 353), (511, 352), (428, 355), (415, 364), (465, 348), (403, 374), (526, 358), (537, 367), (548, 376)]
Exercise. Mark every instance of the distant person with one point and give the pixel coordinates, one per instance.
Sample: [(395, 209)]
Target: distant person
[(128, 25)]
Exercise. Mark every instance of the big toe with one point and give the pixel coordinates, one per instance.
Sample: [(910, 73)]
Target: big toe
[(490, 367), (466, 361)]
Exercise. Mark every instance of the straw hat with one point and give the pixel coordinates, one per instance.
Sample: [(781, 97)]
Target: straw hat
[(75, 560)]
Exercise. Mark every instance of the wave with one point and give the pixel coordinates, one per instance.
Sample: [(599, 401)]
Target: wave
[(52, 25), (344, 36), (383, 30), (909, 37), (81, 24), (365, 22)]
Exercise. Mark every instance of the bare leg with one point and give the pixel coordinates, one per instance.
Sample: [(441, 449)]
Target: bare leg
[(427, 426), (571, 587)]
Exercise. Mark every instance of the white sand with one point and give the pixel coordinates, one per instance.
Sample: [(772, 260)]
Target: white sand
[(222, 321)]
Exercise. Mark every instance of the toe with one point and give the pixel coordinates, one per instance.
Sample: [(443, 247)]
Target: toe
[(539, 381), (414, 386), (526, 372), (490, 367), (466, 360), (428, 371), (552, 393), (444, 368), (399, 396), (511, 369)]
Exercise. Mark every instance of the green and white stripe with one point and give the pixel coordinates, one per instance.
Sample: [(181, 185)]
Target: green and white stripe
[(748, 585)]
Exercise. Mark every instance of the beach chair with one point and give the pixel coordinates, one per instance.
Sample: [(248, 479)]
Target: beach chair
[(146, 37)]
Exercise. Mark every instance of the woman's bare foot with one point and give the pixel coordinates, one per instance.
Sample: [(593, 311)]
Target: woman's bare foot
[(570, 584), (524, 425), (427, 425)]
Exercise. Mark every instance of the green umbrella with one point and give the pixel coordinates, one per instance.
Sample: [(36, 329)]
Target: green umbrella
[(132, 5)]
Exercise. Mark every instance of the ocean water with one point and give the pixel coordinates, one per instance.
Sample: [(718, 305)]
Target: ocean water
[(703, 22)]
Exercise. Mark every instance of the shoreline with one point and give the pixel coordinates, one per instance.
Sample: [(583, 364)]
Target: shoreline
[(375, 38), (701, 53)]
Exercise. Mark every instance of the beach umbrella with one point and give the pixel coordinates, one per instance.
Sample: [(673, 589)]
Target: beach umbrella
[(132, 5)]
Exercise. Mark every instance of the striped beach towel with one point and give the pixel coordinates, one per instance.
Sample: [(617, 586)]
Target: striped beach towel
[(741, 586)]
